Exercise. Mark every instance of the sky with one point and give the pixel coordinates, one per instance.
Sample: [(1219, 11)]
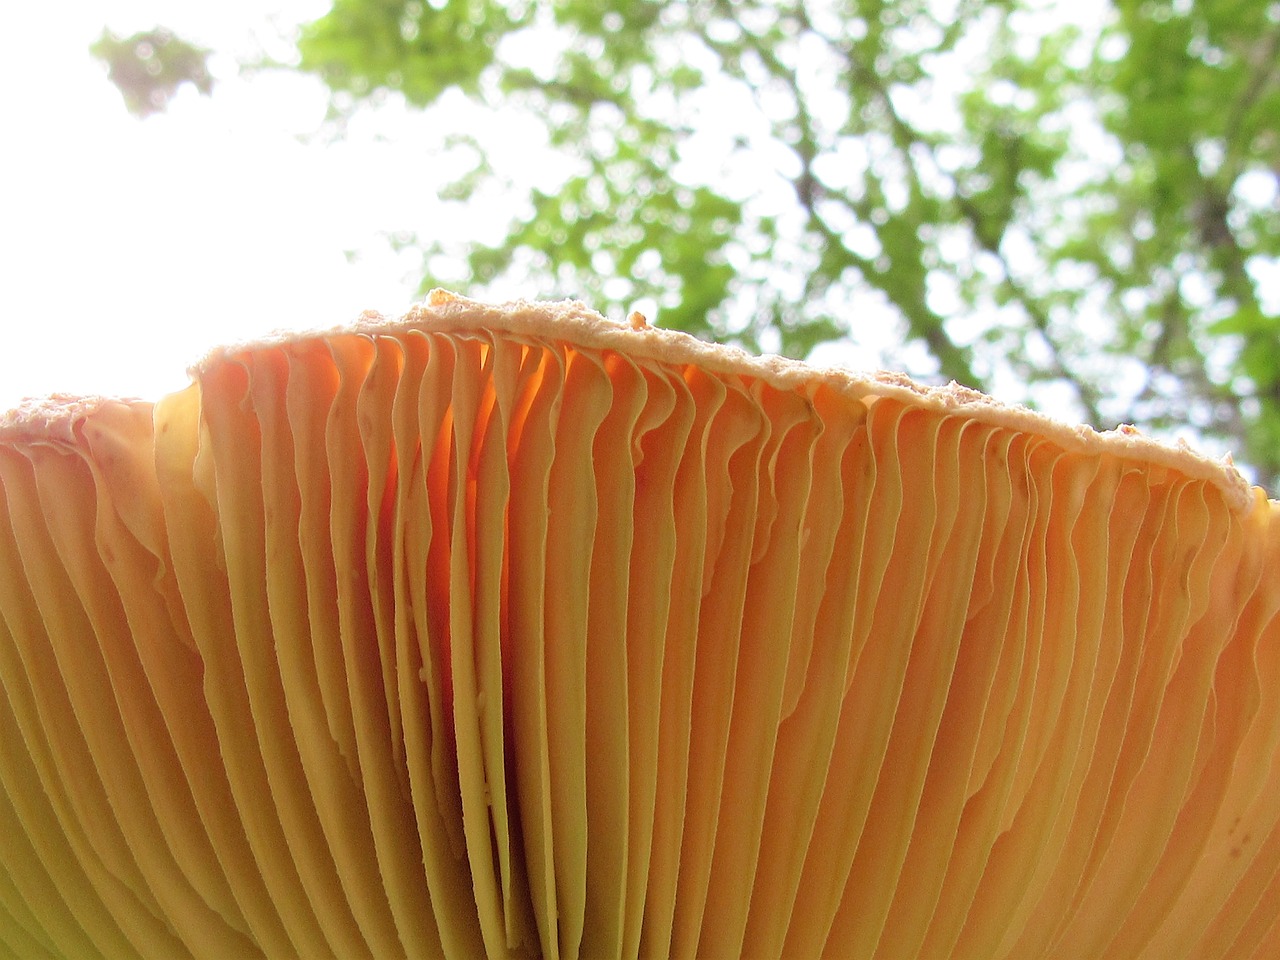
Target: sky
[(128, 248)]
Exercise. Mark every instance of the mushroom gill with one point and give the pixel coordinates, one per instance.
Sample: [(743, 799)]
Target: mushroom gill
[(512, 631)]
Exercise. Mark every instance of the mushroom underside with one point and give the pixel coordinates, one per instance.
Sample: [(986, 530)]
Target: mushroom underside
[(454, 638)]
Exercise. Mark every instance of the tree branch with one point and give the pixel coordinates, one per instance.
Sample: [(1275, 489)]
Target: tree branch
[(1265, 63), (923, 322), (906, 137)]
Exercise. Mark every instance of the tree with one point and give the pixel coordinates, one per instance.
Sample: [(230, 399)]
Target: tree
[(1038, 205)]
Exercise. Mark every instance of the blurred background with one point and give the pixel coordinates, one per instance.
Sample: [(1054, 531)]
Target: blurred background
[(1071, 205)]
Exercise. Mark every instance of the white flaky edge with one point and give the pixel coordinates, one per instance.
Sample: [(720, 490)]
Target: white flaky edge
[(575, 323), (53, 419)]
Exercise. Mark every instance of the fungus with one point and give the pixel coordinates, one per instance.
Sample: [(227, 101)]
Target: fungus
[(512, 631)]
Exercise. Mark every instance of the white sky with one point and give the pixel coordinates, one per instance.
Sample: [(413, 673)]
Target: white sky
[(128, 248)]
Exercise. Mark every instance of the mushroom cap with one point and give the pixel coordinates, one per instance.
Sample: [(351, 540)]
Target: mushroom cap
[(510, 630)]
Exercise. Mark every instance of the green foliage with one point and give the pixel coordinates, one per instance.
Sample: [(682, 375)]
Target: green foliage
[(1176, 238), (149, 67), (1083, 208), (417, 48)]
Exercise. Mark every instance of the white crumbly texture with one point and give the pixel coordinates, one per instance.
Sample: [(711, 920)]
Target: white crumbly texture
[(573, 322), (54, 419)]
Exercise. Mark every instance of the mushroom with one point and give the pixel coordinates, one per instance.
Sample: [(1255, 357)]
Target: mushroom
[(513, 631)]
